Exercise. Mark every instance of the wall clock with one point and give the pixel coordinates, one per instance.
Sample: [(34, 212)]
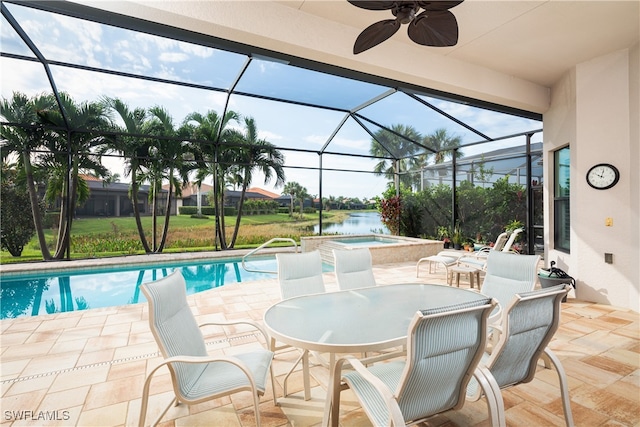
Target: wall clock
[(603, 176)]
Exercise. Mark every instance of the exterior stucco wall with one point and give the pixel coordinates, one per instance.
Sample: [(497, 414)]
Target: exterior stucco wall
[(594, 110)]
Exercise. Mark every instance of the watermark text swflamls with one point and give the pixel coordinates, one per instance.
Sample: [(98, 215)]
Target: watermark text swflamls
[(26, 415)]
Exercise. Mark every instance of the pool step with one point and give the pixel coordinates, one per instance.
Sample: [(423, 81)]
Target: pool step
[(326, 251)]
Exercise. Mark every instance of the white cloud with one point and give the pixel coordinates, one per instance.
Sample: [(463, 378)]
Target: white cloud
[(316, 140), (356, 144), (173, 57), (269, 136), (196, 50)]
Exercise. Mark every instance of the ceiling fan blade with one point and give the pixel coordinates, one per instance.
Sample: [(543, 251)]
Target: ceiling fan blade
[(437, 29), (372, 4), (435, 6), (375, 34)]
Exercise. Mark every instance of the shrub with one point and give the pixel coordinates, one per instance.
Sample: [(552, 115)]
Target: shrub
[(51, 219), (16, 222), (193, 210), (93, 244), (390, 212), (259, 206)]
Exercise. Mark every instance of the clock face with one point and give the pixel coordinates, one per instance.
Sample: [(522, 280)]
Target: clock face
[(603, 176)]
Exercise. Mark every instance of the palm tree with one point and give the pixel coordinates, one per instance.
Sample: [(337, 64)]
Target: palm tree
[(399, 143), (134, 151), (211, 159), (24, 139), (292, 189), (72, 151), (297, 193), (444, 145), (167, 161), (255, 153)]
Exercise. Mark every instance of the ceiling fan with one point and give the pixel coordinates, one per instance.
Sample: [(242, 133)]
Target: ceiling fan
[(435, 26)]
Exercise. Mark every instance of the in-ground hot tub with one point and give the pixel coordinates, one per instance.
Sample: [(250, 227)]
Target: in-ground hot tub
[(384, 248)]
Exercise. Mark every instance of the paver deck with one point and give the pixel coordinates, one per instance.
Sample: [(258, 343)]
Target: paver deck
[(87, 368)]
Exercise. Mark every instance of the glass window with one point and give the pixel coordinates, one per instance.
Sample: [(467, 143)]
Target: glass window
[(561, 205)]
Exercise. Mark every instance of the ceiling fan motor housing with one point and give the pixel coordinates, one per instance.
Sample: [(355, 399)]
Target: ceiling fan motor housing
[(405, 13)]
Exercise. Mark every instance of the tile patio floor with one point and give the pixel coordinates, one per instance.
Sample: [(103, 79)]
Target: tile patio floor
[(87, 368)]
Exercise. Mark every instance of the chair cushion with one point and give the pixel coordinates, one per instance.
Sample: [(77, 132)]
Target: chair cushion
[(442, 259), (222, 377), (372, 402)]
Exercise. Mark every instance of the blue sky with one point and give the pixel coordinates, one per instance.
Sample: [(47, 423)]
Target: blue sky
[(285, 125)]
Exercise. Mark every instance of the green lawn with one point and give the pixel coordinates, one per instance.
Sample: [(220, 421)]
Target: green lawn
[(101, 226), (101, 237)]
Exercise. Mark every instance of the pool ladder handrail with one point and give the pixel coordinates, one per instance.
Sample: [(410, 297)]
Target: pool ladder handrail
[(265, 244)]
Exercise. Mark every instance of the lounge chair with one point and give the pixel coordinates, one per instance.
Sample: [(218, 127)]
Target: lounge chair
[(508, 246), (530, 321), (497, 245), (444, 347), (353, 268), (479, 258), (445, 258), (196, 376)]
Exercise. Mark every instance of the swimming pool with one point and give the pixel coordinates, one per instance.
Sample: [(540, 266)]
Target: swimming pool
[(384, 248), (366, 241), (69, 290)]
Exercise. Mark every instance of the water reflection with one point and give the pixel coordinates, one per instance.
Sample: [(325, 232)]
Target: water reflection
[(30, 296), (356, 223)]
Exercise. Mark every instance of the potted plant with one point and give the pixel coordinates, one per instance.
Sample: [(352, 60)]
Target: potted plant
[(457, 238), (513, 225), (510, 227), (443, 234)]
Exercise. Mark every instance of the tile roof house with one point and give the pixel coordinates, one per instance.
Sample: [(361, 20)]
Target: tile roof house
[(112, 199)]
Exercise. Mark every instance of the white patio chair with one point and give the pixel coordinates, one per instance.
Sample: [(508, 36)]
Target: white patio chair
[(195, 375), (353, 268), (299, 274), (530, 321), (444, 347), (506, 275)]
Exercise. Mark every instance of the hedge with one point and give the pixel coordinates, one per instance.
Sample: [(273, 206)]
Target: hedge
[(206, 210)]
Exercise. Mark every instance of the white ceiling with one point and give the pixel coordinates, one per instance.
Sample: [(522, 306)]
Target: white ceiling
[(536, 41)]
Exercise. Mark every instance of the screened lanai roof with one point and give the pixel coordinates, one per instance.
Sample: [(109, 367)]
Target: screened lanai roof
[(304, 108)]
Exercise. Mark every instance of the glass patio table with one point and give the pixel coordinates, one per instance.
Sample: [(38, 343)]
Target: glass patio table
[(356, 321)]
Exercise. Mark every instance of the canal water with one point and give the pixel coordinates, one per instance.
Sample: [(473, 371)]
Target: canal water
[(357, 223)]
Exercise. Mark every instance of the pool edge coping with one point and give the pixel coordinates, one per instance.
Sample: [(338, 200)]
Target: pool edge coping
[(18, 269)]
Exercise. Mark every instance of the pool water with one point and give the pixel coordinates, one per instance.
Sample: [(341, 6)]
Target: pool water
[(366, 241), (72, 290)]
